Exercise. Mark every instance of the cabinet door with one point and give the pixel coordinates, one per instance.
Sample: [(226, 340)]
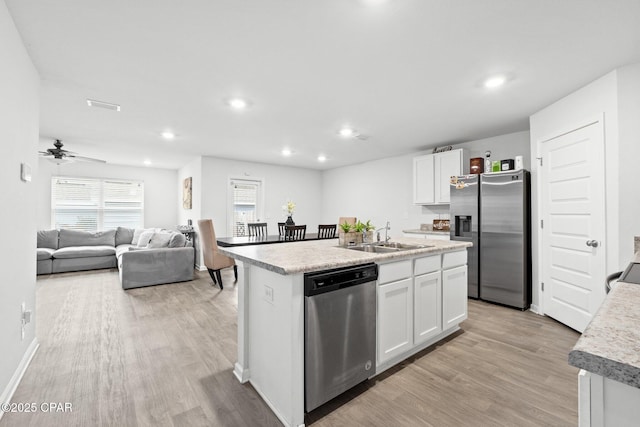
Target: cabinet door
[(423, 178), (427, 315), (454, 296), (447, 164), (395, 319)]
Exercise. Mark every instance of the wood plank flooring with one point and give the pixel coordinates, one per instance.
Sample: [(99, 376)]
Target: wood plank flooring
[(163, 356)]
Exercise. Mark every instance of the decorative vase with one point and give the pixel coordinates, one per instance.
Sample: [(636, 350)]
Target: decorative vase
[(289, 221)]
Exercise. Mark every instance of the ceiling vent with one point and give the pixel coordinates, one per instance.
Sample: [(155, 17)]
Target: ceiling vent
[(102, 104)]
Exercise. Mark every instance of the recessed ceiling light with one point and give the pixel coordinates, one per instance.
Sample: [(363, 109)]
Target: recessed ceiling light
[(147, 162), (322, 158), (168, 135), (102, 104), (348, 132), (494, 82), (286, 152), (238, 103)]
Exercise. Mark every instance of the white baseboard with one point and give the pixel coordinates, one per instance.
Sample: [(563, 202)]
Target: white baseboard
[(534, 308), (7, 393)]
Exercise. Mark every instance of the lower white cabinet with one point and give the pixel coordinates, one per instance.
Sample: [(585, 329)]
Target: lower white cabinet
[(454, 296), (427, 311), (418, 300), (395, 319)]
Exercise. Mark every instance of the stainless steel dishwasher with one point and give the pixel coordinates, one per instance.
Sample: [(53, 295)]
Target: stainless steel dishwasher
[(340, 331)]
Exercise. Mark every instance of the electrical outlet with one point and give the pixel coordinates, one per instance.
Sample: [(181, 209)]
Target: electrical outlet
[(268, 293)]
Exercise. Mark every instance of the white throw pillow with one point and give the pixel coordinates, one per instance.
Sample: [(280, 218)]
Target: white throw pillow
[(137, 233), (145, 238), (159, 240)]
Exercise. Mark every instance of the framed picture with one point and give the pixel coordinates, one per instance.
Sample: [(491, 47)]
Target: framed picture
[(186, 193)]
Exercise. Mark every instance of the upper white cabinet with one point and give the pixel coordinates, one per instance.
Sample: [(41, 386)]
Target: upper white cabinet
[(431, 176)]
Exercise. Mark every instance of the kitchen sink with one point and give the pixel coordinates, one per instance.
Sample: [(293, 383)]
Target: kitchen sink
[(386, 247)]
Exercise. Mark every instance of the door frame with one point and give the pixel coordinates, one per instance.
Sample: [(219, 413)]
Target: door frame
[(587, 121)]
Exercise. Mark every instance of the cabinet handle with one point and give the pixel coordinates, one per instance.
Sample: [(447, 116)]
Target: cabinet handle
[(592, 243)]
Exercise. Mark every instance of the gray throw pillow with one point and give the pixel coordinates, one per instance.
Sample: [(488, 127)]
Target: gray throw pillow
[(144, 239), (124, 235), (48, 239), (159, 240), (177, 240)]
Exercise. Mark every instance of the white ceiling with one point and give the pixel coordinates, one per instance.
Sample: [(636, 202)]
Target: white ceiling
[(407, 73)]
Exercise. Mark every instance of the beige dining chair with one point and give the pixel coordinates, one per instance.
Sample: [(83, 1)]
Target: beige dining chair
[(351, 220), (214, 260)]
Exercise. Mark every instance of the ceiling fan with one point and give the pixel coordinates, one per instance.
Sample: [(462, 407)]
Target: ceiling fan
[(58, 155)]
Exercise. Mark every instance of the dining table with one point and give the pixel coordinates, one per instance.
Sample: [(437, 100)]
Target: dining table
[(226, 242)]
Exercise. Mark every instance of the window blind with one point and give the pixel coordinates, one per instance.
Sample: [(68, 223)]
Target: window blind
[(96, 204)]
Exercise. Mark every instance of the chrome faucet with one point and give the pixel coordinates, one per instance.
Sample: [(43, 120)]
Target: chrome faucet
[(386, 230)]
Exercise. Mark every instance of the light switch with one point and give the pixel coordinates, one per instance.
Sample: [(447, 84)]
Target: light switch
[(25, 172)]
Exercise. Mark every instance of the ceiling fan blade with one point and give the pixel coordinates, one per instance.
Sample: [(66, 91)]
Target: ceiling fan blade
[(86, 159)]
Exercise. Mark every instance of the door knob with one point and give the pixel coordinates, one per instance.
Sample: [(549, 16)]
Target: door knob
[(592, 243)]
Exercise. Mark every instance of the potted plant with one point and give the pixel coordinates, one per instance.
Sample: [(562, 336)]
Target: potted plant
[(347, 235)]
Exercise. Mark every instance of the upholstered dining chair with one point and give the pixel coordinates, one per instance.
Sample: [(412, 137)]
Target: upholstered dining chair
[(281, 226), (327, 231), (295, 232), (214, 260), (257, 229), (348, 219)]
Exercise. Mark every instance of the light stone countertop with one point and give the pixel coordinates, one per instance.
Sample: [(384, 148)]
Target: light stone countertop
[(610, 346), (315, 255), (419, 231)]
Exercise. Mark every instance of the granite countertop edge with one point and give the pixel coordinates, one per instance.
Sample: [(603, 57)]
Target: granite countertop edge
[(610, 345), (607, 368), (255, 255)]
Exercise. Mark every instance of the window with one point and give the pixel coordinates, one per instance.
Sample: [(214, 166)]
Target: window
[(96, 204), (245, 206)]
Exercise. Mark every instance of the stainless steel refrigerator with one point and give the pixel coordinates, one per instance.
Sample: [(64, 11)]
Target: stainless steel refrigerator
[(492, 212), (505, 233), (464, 224)]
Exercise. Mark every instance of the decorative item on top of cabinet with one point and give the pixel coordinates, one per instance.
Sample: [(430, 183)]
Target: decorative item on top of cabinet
[(431, 176)]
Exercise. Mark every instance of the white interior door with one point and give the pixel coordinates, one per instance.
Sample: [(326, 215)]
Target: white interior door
[(573, 234)]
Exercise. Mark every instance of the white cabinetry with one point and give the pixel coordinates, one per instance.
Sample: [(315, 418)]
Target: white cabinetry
[(606, 402), (395, 319), (412, 297), (431, 175), (454, 288), (427, 311)]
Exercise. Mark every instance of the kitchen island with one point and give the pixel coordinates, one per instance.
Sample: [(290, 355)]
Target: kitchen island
[(421, 299)]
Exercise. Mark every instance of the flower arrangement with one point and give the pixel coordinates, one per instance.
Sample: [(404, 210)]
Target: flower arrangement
[(289, 207)]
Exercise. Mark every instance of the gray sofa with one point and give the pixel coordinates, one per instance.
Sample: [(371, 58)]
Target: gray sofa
[(143, 257)]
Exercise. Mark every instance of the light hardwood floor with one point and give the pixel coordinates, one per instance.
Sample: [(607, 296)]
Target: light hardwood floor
[(163, 356)]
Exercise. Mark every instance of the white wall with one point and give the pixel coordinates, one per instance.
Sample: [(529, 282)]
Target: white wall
[(629, 154), (592, 101), (19, 106), (194, 170), (382, 190), (160, 207), (281, 183), (502, 147)]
